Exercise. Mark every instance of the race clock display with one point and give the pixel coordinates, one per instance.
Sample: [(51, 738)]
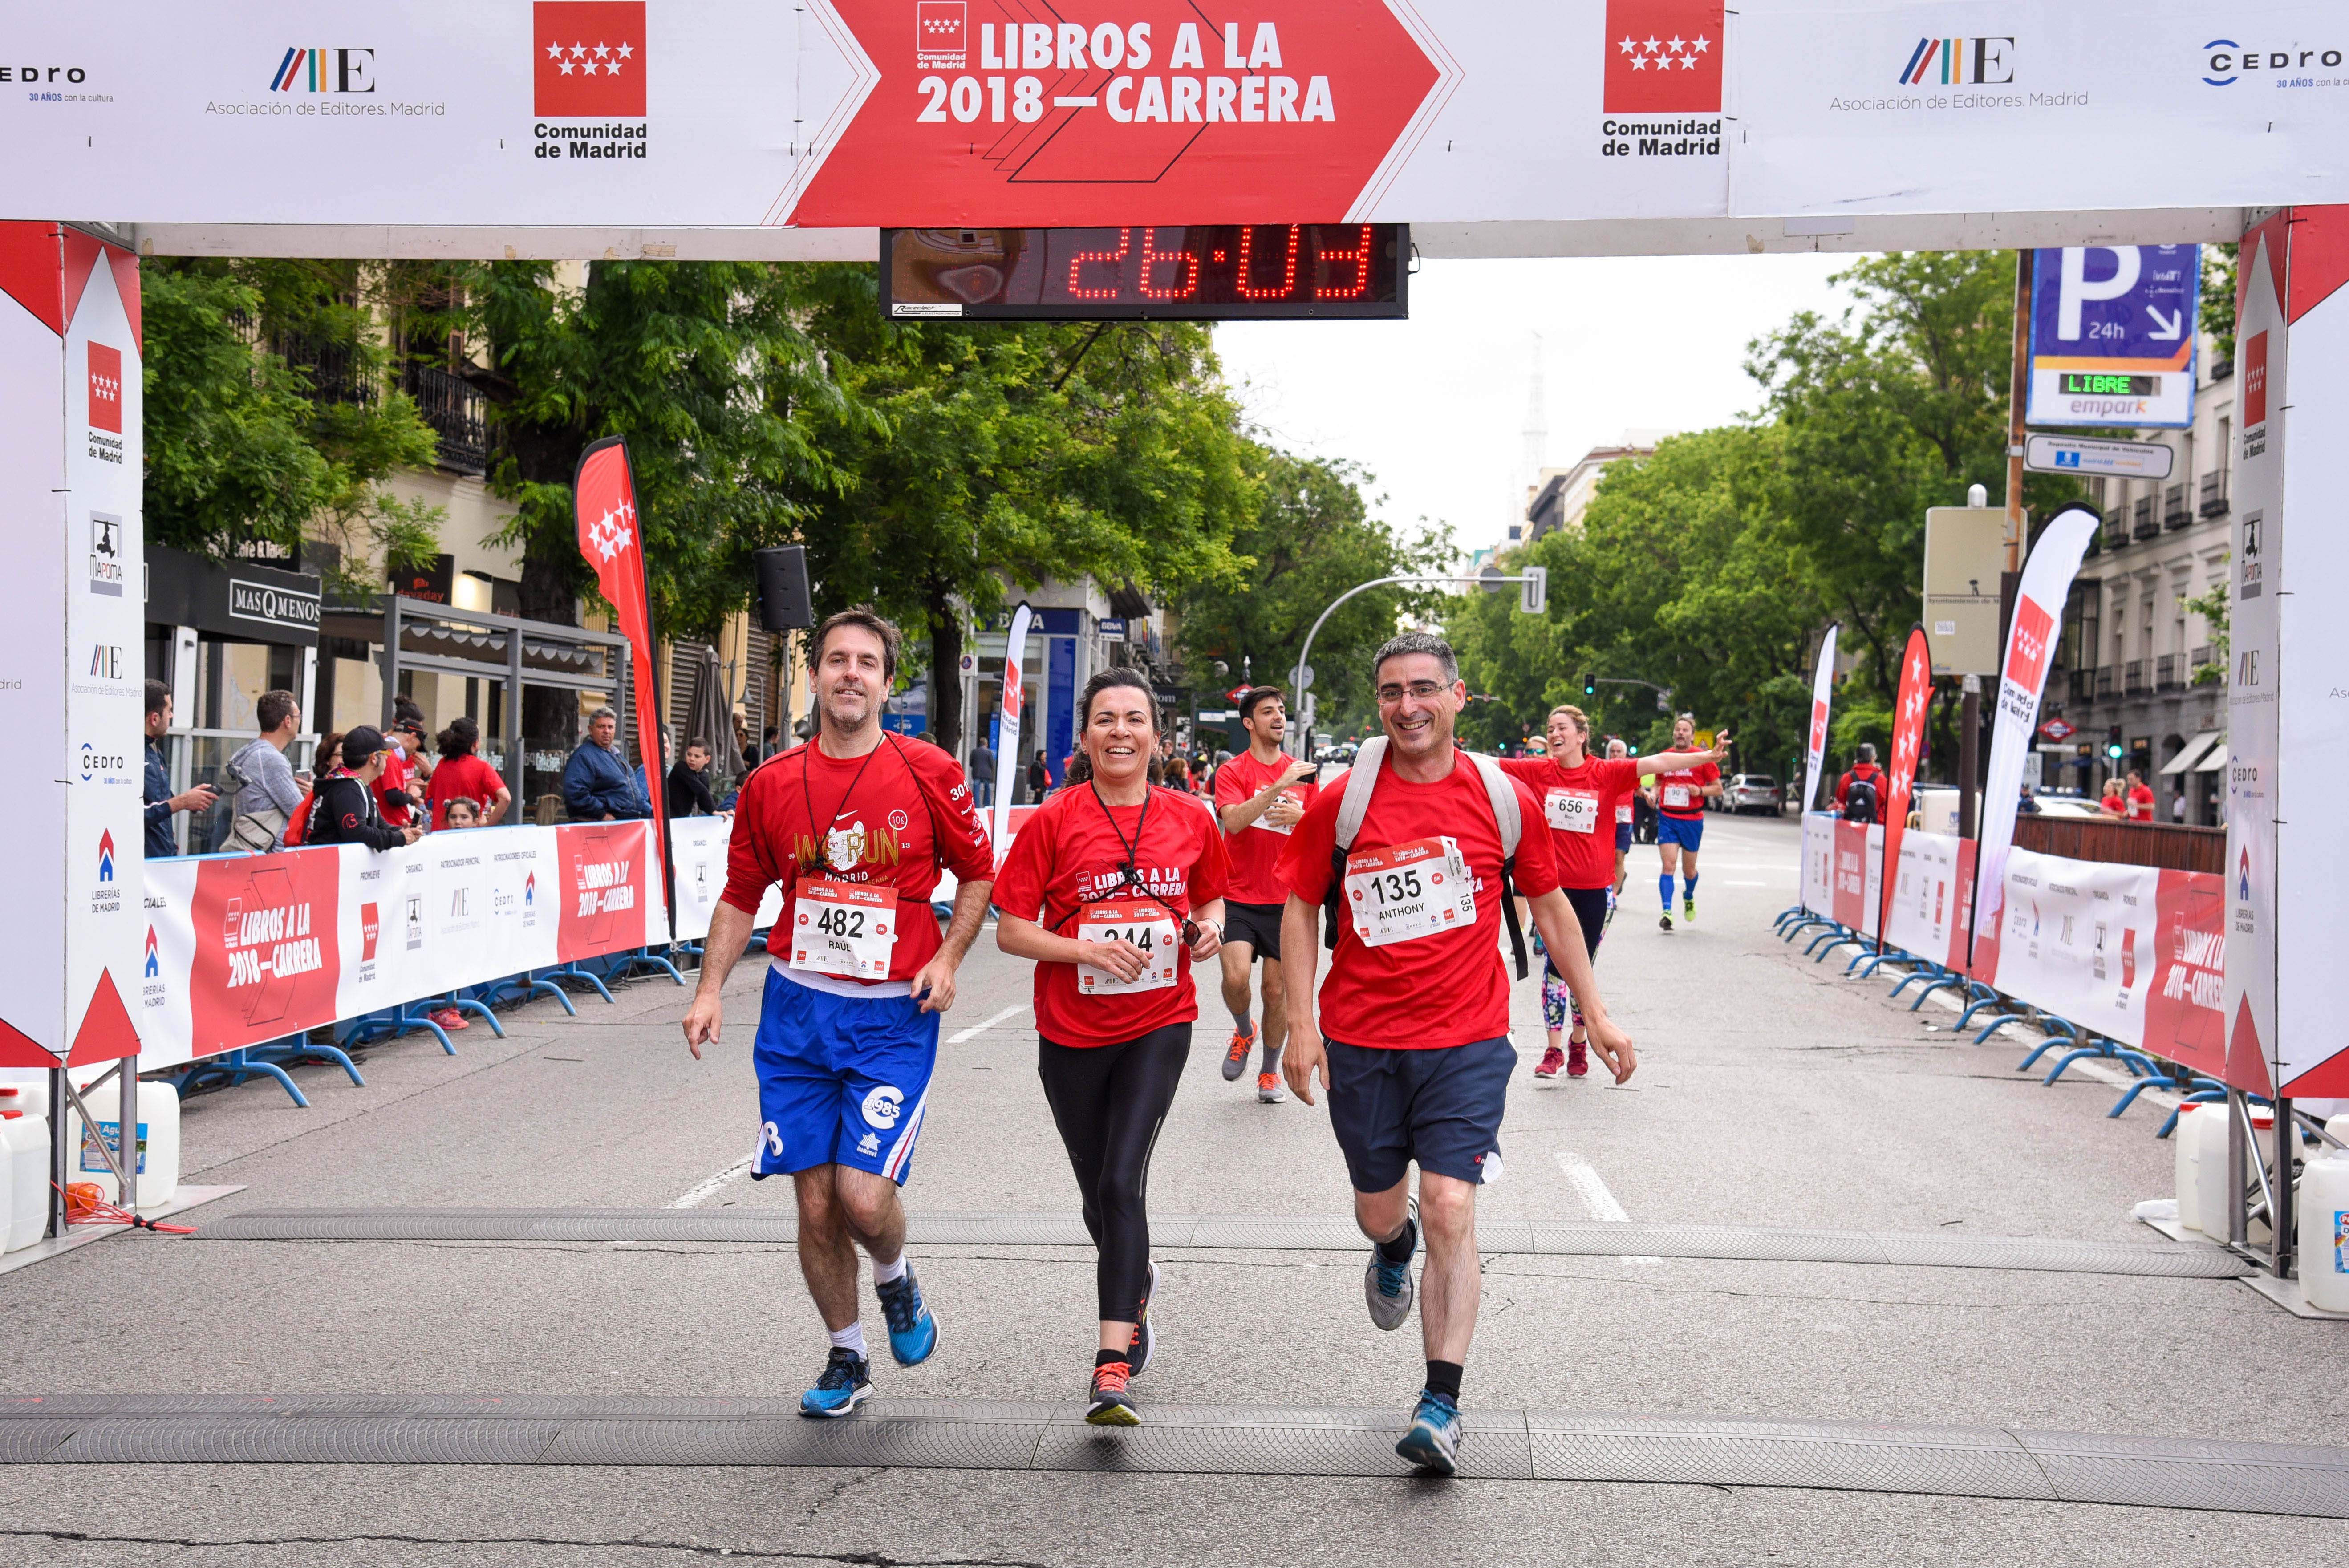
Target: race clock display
[(1164, 272)]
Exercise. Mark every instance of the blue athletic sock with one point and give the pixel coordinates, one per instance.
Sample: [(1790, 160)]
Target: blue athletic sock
[(1688, 887), (1664, 884)]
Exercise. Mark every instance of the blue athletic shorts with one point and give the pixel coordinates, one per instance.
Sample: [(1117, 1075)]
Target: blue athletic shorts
[(1687, 832), (1441, 1108), (1622, 837), (842, 1079)]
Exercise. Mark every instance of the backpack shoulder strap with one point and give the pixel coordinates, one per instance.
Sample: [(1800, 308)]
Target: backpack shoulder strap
[(1361, 781), (1502, 791)]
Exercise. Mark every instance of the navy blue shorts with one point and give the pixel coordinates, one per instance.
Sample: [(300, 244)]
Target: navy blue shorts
[(1441, 1108), (842, 1079), (1687, 832), (1622, 837)]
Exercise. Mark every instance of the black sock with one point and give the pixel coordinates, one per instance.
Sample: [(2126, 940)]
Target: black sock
[(1444, 1377), (1104, 1357), (1399, 1249)]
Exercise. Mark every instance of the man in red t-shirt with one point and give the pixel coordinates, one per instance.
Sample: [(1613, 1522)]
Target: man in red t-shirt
[(400, 791), (1416, 1007), (1686, 777), (1580, 796), (1260, 797), (854, 825), (2141, 798)]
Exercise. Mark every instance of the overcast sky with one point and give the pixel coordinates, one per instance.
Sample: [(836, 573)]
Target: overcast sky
[(1435, 407)]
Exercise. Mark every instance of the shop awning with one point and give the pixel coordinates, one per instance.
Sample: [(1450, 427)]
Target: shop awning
[(2215, 760), (2191, 753)]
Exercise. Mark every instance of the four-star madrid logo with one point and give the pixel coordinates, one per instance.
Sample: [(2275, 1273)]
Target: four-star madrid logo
[(610, 533), (588, 59), (1664, 56)]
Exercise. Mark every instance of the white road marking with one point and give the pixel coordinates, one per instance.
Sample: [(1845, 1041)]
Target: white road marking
[(1727, 884), (708, 1188), (1594, 1196), (981, 1028)]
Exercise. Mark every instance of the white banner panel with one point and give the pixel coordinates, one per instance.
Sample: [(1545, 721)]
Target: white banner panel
[(853, 113), (2076, 936), (1926, 896), (696, 845), (1818, 862)]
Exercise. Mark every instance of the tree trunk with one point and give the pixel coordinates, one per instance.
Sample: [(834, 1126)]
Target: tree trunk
[(550, 715), (946, 671)]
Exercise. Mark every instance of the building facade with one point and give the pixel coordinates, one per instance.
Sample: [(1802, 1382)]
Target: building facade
[(1563, 495), (2136, 658)]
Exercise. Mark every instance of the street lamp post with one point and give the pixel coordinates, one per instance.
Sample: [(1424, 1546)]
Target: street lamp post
[(1533, 599)]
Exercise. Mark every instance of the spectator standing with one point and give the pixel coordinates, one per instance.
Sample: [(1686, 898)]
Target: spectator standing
[(982, 774), (2178, 808), (597, 783), (462, 775), (344, 810), (1866, 781), (688, 784), (263, 790), (324, 763), (162, 804), (400, 788), (1039, 778), (2141, 798)]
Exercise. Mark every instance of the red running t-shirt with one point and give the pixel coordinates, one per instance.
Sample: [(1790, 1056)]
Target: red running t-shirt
[(1256, 848), (466, 777), (391, 788), (1444, 989), (858, 820), (1680, 792), (1579, 805), (1066, 856), (2140, 803)]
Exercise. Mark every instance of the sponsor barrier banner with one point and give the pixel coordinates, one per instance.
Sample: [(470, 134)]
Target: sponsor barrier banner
[(1815, 749), (831, 113), (244, 949), (696, 847), (1818, 862), (2128, 951), (2039, 600), (1925, 905)]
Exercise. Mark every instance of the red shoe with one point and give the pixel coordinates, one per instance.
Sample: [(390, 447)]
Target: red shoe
[(446, 1017), (1577, 1058), (1552, 1059)]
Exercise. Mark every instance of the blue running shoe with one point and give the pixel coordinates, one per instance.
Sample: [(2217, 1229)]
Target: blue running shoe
[(913, 1331), (846, 1383), (1433, 1441), (1386, 1286)]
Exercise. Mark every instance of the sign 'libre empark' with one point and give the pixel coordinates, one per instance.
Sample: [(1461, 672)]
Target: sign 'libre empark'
[(1492, 126)]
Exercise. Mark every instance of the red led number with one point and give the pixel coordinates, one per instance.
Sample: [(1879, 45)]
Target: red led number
[(1288, 270), (1186, 269), (1361, 258), (1116, 260)]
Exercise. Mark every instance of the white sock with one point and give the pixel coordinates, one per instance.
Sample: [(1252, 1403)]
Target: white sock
[(852, 1339), (895, 1269), (1244, 1019)]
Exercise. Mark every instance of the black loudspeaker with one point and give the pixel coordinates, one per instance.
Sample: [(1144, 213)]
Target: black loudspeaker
[(784, 602)]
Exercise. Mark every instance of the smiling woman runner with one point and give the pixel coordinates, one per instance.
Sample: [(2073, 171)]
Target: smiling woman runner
[(1115, 889)]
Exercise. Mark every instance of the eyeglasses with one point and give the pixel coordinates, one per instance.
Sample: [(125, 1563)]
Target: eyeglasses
[(1420, 691)]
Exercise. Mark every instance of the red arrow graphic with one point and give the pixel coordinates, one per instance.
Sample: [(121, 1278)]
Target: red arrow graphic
[(1006, 112)]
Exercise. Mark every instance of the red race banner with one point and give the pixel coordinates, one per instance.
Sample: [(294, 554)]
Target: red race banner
[(266, 958), (610, 536), (604, 887), (1909, 710), (988, 111)]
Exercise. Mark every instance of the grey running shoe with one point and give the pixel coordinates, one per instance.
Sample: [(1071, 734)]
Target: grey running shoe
[(1432, 1442), (1387, 1287), (1236, 1053)]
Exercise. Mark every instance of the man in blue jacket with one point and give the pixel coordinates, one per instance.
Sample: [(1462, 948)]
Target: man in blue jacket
[(598, 786)]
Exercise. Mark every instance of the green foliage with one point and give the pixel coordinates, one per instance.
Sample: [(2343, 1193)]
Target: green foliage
[(1309, 539), (969, 454), (270, 418), (1858, 720), (708, 370), (2218, 616), (1686, 573), (2219, 263)]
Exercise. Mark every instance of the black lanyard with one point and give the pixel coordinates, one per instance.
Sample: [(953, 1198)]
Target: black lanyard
[(822, 827), (1130, 873)]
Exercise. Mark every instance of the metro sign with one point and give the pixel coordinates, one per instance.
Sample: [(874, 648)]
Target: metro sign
[(1289, 116)]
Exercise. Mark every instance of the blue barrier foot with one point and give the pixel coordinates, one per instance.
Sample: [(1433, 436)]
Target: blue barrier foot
[(573, 972), (1995, 1024), (466, 1004), (1966, 1018), (416, 1021), (2069, 1058)]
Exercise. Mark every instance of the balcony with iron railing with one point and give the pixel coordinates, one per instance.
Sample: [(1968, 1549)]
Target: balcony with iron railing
[(2083, 685), (2214, 493), (2198, 659), (2144, 523), (457, 412), (2117, 527), (2175, 511), (2169, 673), (2132, 678), (2105, 682)]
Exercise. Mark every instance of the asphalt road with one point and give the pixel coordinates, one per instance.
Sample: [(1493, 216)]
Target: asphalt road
[(1772, 1091)]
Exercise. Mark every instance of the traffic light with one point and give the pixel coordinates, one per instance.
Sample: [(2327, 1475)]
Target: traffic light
[(2112, 747), (1589, 686)]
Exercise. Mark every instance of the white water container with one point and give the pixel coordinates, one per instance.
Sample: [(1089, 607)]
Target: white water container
[(158, 1143), (30, 1098), (25, 1156), (2185, 1144), (2211, 1198), (2325, 1231)]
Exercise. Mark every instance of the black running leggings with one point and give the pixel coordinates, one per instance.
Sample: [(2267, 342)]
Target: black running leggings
[(1109, 1103)]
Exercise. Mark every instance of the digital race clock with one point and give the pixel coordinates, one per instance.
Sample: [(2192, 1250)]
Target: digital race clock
[(1166, 272), (2108, 384)]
